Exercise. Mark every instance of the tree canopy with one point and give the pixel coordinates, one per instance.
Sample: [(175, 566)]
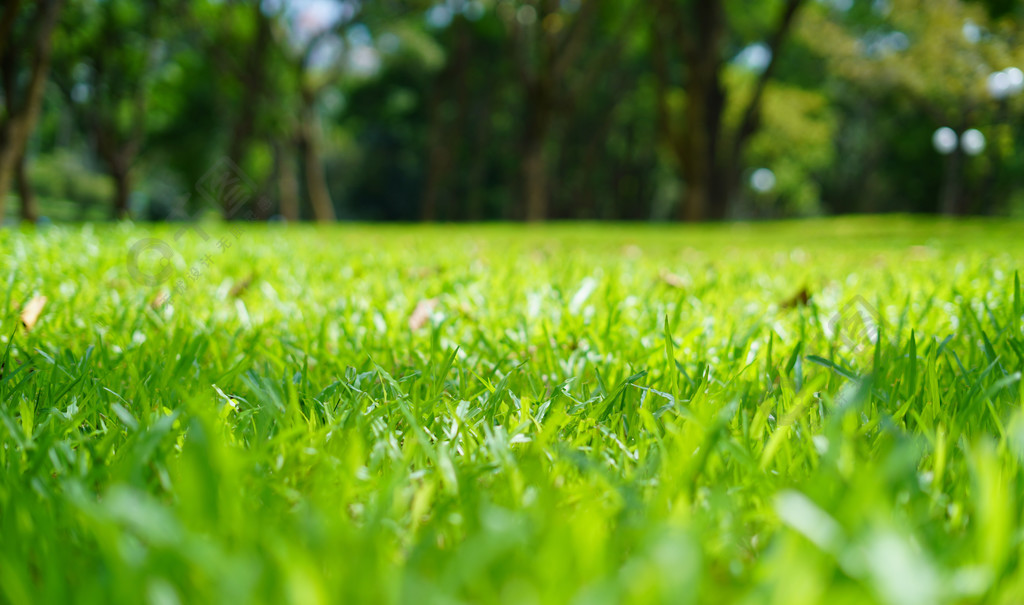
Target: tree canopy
[(511, 109)]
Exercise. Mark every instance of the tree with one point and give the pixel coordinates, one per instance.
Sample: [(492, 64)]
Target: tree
[(445, 131), (26, 43), (935, 55), (238, 39), (699, 34), (555, 48), (321, 53), (106, 61)]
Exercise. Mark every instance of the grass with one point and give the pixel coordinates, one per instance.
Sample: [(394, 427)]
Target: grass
[(586, 415)]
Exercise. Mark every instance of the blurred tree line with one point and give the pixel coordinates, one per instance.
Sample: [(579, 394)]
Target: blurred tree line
[(511, 109)]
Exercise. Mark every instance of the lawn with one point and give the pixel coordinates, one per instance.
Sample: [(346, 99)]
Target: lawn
[(788, 413)]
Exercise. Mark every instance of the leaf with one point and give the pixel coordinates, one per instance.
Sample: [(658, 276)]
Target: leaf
[(672, 279), (421, 314), (821, 361), (240, 288), (805, 517), (800, 299), (1018, 308), (31, 312), (160, 299), (912, 368), (587, 287)]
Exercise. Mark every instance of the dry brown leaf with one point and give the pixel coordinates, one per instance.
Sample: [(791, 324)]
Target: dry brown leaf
[(632, 251), (921, 252), (800, 299), (672, 279), (240, 288), (421, 314), (160, 299), (423, 272), (31, 311)]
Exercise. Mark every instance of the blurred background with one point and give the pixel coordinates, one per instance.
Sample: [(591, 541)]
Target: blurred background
[(479, 110)]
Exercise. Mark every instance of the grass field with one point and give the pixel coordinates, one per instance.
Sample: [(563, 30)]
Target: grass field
[(790, 413)]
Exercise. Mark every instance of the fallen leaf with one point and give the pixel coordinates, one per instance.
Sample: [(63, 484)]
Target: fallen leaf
[(921, 252), (672, 279), (160, 300), (423, 272), (632, 251), (800, 299), (421, 314), (30, 312), (240, 288)]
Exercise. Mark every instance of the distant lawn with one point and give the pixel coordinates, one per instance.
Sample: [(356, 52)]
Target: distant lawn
[(800, 412)]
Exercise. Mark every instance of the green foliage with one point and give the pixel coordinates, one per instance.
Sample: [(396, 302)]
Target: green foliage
[(63, 177), (585, 415), (920, 50), (439, 120), (796, 141)]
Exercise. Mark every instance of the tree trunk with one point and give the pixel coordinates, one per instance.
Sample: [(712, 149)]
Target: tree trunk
[(29, 205), (13, 140), (534, 164), (592, 182), (119, 161), (122, 191), (21, 121), (438, 163), (703, 169), (535, 182), (241, 132), (710, 158), (697, 195), (952, 183), (287, 183), (7, 19), (444, 133), (252, 78), (705, 100), (476, 180), (316, 180)]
